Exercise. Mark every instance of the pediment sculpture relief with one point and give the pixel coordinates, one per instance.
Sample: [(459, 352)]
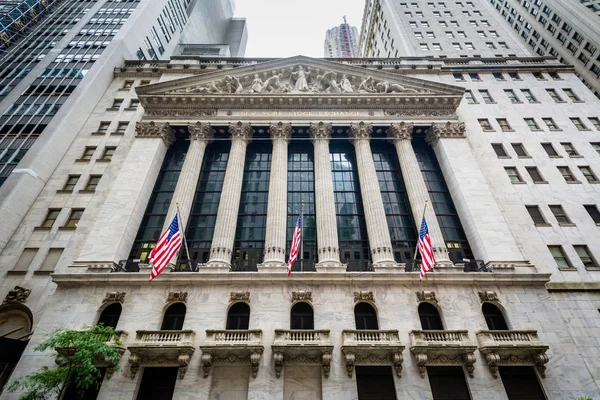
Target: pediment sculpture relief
[(299, 80)]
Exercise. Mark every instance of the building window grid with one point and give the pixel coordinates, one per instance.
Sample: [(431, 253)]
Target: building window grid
[(70, 183), (560, 214), (567, 174), (584, 254), (50, 218), (588, 174), (560, 257), (513, 175)]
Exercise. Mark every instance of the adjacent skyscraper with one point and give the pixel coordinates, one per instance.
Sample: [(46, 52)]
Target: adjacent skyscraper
[(341, 41)]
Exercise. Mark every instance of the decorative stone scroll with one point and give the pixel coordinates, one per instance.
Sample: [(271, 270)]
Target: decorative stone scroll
[(152, 130), (488, 296), (301, 296), (426, 295), (400, 131), (239, 296), (114, 297), (320, 130), (179, 296), (18, 295), (363, 296), (201, 131), (447, 131), (241, 131), (360, 131), (281, 130)]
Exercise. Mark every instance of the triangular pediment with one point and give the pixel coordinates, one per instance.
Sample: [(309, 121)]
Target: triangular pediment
[(299, 75)]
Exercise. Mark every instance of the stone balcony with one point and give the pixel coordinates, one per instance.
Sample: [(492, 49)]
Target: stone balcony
[(432, 348), (232, 346), (512, 348), (164, 348), (301, 346), (372, 347)]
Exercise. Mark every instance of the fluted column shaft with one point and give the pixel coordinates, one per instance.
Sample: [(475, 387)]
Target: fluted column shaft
[(327, 235), (377, 228), (275, 238), (200, 136), (229, 204), (416, 189)]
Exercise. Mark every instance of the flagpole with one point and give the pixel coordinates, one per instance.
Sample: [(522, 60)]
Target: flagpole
[(302, 237), (182, 230), (418, 230)]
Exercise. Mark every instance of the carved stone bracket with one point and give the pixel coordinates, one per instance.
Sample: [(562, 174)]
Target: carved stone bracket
[(301, 296), (114, 297), (135, 360), (152, 130), (241, 131), (488, 295), (447, 131), (239, 296), (401, 131), (18, 295), (363, 296), (424, 359), (179, 296), (280, 130), (426, 295), (201, 131), (209, 358), (279, 359), (320, 130), (360, 131)]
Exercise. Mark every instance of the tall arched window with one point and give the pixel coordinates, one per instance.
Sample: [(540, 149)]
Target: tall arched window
[(238, 316), (365, 316), (174, 317), (302, 316), (430, 317), (494, 317), (110, 315)]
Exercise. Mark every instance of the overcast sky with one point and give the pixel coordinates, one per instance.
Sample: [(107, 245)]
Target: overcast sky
[(285, 28)]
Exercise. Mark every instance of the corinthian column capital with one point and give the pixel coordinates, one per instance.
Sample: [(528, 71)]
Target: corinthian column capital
[(447, 130), (201, 131), (400, 131), (280, 131), (320, 131), (153, 130), (240, 131), (360, 131)]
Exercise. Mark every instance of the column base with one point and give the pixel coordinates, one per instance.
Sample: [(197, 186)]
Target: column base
[(98, 266), (216, 267), (272, 266), (448, 266), (388, 266), (331, 266)]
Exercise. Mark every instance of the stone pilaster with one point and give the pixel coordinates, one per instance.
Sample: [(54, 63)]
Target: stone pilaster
[(380, 243), (229, 204), (275, 238), (416, 189), (327, 236), (200, 136)]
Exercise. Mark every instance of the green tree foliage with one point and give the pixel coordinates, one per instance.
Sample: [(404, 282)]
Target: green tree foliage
[(78, 353)]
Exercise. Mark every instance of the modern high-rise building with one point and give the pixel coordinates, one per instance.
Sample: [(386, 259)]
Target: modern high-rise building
[(500, 153), (341, 41)]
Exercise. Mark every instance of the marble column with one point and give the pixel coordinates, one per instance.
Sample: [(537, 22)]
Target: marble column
[(380, 243), (275, 238), (201, 135), (401, 136), (327, 236), (229, 204)]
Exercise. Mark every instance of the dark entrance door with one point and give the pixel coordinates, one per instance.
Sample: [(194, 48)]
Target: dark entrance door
[(356, 258), (10, 353), (247, 259), (90, 394), (448, 383), (521, 383), (375, 383), (307, 263), (158, 383)]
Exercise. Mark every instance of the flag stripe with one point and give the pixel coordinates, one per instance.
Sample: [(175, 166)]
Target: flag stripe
[(165, 249), (295, 244), (427, 257)]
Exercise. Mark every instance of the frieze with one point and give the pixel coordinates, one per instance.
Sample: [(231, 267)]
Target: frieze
[(18, 295), (179, 112), (488, 296), (239, 296), (155, 130), (179, 296), (301, 296), (363, 296), (419, 113), (114, 297)]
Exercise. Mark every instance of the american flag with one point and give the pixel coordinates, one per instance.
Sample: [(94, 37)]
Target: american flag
[(295, 244), (168, 244), (427, 257)]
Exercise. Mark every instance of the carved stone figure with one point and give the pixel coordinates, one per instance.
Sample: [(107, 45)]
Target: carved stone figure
[(18, 295), (273, 84), (329, 83), (345, 85), (301, 80), (231, 84), (386, 87), (257, 85), (366, 86)]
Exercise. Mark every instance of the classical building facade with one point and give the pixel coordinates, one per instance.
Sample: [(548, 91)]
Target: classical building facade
[(509, 174)]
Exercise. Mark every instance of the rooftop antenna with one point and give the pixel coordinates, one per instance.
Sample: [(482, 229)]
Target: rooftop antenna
[(345, 20)]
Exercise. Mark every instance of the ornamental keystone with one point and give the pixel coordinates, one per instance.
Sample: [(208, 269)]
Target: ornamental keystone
[(426, 295)]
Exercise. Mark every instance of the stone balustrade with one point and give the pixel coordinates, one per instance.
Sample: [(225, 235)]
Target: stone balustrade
[(439, 347), (372, 347), (302, 346), (164, 338), (301, 336), (522, 347), (232, 346)]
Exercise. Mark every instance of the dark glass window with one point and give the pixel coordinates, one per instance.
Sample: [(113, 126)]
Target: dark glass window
[(375, 383), (158, 383), (238, 316), (252, 215), (430, 317), (521, 383), (174, 317), (160, 200), (395, 201), (301, 186), (302, 316), (447, 217), (448, 383), (365, 316), (206, 203), (110, 315), (91, 393), (352, 231), (494, 317)]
